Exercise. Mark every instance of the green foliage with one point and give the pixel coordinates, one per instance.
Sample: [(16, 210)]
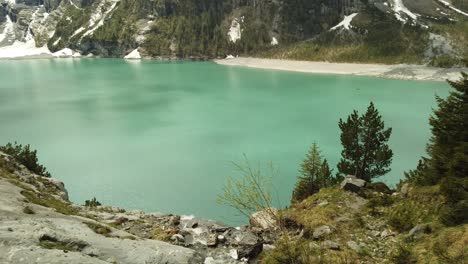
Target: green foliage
[(117, 34), (444, 61), (99, 228), (403, 218), (447, 163), (251, 192), (423, 205), (403, 255), (288, 251), (25, 156), (72, 19), (189, 28), (303, 19), (49, 201), (450, 246), (315, 174), (377, 201), (366, 153), (92, 203)]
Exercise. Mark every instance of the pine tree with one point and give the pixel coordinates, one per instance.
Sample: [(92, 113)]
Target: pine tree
[(449, 126), (366, 153), (448, 151), (314, 175)]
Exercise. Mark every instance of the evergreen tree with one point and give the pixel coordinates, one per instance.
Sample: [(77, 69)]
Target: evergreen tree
[(448, 152), (366, 153), (449, 126), (314, 175)]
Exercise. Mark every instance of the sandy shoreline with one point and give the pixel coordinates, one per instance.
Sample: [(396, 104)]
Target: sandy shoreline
[(401, 71)]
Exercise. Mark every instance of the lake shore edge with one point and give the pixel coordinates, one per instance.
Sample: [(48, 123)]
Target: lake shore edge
[(395, 71)]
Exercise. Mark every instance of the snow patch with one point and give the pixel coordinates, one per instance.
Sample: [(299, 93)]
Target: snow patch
[(57, 41), (399, 8), (448, 5), (135, 54), (274, 41), (8, 30), (78, 31), (23, 49), (66, 52), (235, 31), (346, 23), (98, 17)]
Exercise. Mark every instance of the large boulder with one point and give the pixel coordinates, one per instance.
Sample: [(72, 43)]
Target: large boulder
[(265, 219), (248, 244), (352, 184)]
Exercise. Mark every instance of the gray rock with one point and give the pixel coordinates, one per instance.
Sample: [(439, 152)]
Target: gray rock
[(321, 232), (418, 230), (352, 184), (330, 245), (386, 233), (249, 245), (265, 219), (212, 240), (354, 246), (178, 238), (404, 190), (313, 245), (221, 239), (324, 203)]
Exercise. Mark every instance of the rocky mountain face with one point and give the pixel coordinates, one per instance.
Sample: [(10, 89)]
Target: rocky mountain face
[(216, 28)]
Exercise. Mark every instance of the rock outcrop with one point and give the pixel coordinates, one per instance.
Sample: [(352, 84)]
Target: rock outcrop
[(39, 225)]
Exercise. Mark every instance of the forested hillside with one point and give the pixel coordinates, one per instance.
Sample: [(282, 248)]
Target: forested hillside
[(386, 31)]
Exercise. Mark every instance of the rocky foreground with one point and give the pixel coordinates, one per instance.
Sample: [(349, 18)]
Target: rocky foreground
[(38, 224), (355, 222)]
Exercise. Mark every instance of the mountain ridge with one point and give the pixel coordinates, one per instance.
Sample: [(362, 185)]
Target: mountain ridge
[(394, 31)]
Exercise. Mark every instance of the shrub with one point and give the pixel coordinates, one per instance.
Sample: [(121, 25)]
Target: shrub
[(28, 210), (405, 216), (25, 156), (403, 255), (92, 203), (450, 246)]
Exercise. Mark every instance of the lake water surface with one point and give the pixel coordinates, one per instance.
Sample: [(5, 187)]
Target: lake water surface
[(162, 137)]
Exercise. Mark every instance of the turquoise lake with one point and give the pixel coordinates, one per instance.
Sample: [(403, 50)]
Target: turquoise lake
[(162, 137)]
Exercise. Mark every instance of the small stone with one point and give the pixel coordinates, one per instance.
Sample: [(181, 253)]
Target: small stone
[(321, 231), (177, 238), (212, 240), (330, 245), (375, 233), (386, 233), (418, 230), (404, 190), (313, 245), (233, 254), (268, 247), (323, 203), (354, 246), (209, 260), (221, 239), (10, 229)]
